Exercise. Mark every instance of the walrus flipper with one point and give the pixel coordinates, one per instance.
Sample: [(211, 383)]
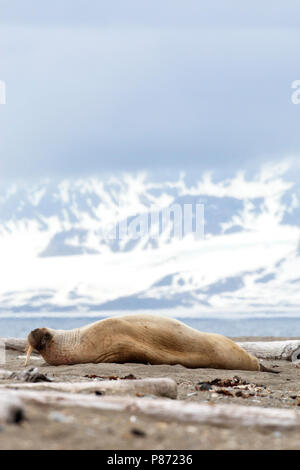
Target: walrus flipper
[(266, 369)]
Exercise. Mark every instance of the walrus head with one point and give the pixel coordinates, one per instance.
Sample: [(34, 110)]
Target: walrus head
[(57, 347), (38, 339)]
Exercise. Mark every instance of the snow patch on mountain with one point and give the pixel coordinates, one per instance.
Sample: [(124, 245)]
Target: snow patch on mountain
[(56, 255)]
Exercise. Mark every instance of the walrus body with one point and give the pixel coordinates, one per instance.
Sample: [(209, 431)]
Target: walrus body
[(140, 339)]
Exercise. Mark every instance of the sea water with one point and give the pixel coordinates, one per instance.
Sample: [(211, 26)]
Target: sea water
[(19, 327)]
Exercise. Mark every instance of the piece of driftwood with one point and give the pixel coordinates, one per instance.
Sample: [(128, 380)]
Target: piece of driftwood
[(165, 409), (161, 387), (17, 344), (5, 374), (30, 375), (11, 409), (288, 350), (27, 375)]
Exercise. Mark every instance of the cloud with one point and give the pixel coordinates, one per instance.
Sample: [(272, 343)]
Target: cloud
[(172, 13), (102, 89)]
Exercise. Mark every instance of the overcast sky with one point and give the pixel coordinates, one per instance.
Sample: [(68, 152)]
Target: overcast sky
[(124, 85)]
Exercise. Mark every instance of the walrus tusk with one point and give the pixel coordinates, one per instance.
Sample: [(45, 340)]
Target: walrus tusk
[(29, 351)]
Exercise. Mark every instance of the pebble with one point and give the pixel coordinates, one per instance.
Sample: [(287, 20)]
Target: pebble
[(138, 432), (191, 429), (162, 424), (60, 417)]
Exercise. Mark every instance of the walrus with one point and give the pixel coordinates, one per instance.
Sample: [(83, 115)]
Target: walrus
[(147, 339)]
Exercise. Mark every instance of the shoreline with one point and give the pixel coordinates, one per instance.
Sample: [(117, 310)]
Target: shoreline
[(53, 427), (240, 326)]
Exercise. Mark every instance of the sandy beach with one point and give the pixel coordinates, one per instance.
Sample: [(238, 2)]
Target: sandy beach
[(53, 427)]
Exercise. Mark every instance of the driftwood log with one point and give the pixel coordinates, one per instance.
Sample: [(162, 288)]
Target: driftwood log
[(17, 344), (5, 374), (11, 409), (161, 387), (165, 409), (287, 350)]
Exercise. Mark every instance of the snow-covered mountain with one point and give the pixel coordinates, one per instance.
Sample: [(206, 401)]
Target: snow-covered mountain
[(58, 255)]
